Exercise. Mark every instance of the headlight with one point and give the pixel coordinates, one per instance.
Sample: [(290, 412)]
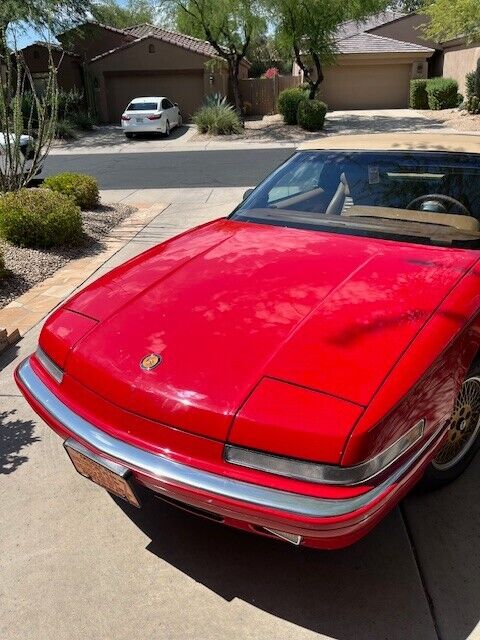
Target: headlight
[(324, 473)]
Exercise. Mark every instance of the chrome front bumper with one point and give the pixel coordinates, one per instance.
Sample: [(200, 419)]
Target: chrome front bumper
[(173, 473)]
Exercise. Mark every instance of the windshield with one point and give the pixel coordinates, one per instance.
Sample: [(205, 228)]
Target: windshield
[(142, 106), (427, 197)]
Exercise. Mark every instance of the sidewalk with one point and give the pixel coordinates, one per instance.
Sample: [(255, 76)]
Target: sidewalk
[(76, 564)]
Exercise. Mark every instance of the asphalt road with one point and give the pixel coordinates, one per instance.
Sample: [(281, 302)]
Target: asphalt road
[(172, 169)]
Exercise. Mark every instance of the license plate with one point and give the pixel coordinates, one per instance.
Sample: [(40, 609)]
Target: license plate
[(113, 477), (140, 120)]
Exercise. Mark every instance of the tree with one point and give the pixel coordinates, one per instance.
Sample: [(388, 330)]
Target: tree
[(121, 16), (453, 18), (229, 26), (308, 28), (27, 120), (49, 14), (408, 6)]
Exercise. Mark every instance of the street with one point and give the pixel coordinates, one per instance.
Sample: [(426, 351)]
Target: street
[(225, 168)]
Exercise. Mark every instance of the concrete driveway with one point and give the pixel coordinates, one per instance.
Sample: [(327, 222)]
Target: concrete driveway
[(259, 132), (76, 564)]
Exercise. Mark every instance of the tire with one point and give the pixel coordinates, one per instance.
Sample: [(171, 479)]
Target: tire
[(167, 129), (180, 120), (451, 461), (129, 135)]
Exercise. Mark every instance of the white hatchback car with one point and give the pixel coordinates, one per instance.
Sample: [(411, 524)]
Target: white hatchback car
[(150, 115)]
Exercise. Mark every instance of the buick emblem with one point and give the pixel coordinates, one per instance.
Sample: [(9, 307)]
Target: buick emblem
[(151, 361)]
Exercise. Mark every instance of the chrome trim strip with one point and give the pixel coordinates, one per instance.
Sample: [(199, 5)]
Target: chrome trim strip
[(180, 475), (49, 366), (317, 472)]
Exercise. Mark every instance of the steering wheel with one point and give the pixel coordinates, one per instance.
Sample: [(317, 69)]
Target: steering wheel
[(448, 201)]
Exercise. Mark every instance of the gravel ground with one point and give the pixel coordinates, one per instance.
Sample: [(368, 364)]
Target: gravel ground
[(27, 267), (457, 119)]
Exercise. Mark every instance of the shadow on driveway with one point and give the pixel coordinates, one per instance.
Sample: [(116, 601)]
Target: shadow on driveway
[(15, 436), (106, 136), (370, 591)]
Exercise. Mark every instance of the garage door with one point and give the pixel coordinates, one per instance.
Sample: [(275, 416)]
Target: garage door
[(366, 87), (185, 88)]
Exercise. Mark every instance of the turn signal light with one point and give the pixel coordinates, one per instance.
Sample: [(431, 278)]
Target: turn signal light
[(325, 473)]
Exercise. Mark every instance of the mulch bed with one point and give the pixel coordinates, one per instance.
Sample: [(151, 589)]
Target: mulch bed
[(27, 267)]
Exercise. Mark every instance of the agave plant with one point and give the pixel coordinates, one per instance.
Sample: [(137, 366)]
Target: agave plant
[(217, 100)]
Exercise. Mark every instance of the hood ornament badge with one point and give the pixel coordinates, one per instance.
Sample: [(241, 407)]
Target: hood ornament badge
[(150, 362)]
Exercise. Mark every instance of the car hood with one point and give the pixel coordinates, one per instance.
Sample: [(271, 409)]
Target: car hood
[(231, 303)]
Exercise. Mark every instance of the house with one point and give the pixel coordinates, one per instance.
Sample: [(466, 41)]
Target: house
[(120, 64), (457, 58), (69, 65), (376, 60)]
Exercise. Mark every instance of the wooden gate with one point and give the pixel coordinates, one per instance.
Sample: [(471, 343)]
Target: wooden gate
[(260, 95)]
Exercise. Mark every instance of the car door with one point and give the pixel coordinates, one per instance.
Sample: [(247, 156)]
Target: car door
[(171, 111)]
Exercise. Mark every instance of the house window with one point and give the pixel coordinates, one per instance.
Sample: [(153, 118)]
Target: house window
[(151, 48)]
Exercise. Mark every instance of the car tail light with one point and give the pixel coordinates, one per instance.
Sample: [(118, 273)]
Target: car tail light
[(155, 116), (325, 473), (126, 118)]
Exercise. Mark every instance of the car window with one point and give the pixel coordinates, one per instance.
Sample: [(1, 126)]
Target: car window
[(166, 104), (142, 106), (418, 193)]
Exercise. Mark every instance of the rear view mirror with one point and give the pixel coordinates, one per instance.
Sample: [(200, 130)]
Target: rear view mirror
[(247, 193)]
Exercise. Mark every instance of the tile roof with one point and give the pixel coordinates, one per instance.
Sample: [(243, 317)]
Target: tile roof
[(173, 37), (352, 27), (371, 43)]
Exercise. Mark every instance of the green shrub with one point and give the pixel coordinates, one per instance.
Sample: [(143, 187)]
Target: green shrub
[(65, 130), (473, 105), (477, 79), (288, 102), (442, 93), (82, 189), (39, 218), (470, 84), (217, 120), (70, 102), (3, 271), (418, 94), (82, 120), (311, 114), (217, 100)]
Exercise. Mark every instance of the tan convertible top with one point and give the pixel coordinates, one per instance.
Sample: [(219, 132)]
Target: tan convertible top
[(398, 142)]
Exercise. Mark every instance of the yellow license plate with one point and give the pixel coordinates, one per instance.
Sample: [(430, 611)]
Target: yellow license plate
[(113, 477)]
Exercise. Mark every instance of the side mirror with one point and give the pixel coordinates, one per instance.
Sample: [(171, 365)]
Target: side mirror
[(247, 193), (175, 104)]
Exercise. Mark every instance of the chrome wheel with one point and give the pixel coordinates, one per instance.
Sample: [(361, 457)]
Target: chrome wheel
[(463, 428)]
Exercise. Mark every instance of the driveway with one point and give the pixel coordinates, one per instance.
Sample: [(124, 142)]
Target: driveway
[(259, 132), (76, 564)]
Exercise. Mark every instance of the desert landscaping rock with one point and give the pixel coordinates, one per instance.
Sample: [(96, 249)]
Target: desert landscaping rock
[(30, 266)]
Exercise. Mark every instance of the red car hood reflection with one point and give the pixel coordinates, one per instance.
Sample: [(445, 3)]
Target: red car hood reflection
[(230, 303)]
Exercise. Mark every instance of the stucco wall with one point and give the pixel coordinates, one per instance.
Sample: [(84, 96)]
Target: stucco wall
[(408, 29), (69, 73), (90, 40), (458, 61)]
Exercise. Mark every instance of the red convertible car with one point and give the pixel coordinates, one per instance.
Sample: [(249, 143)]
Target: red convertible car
[(294, 369)]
